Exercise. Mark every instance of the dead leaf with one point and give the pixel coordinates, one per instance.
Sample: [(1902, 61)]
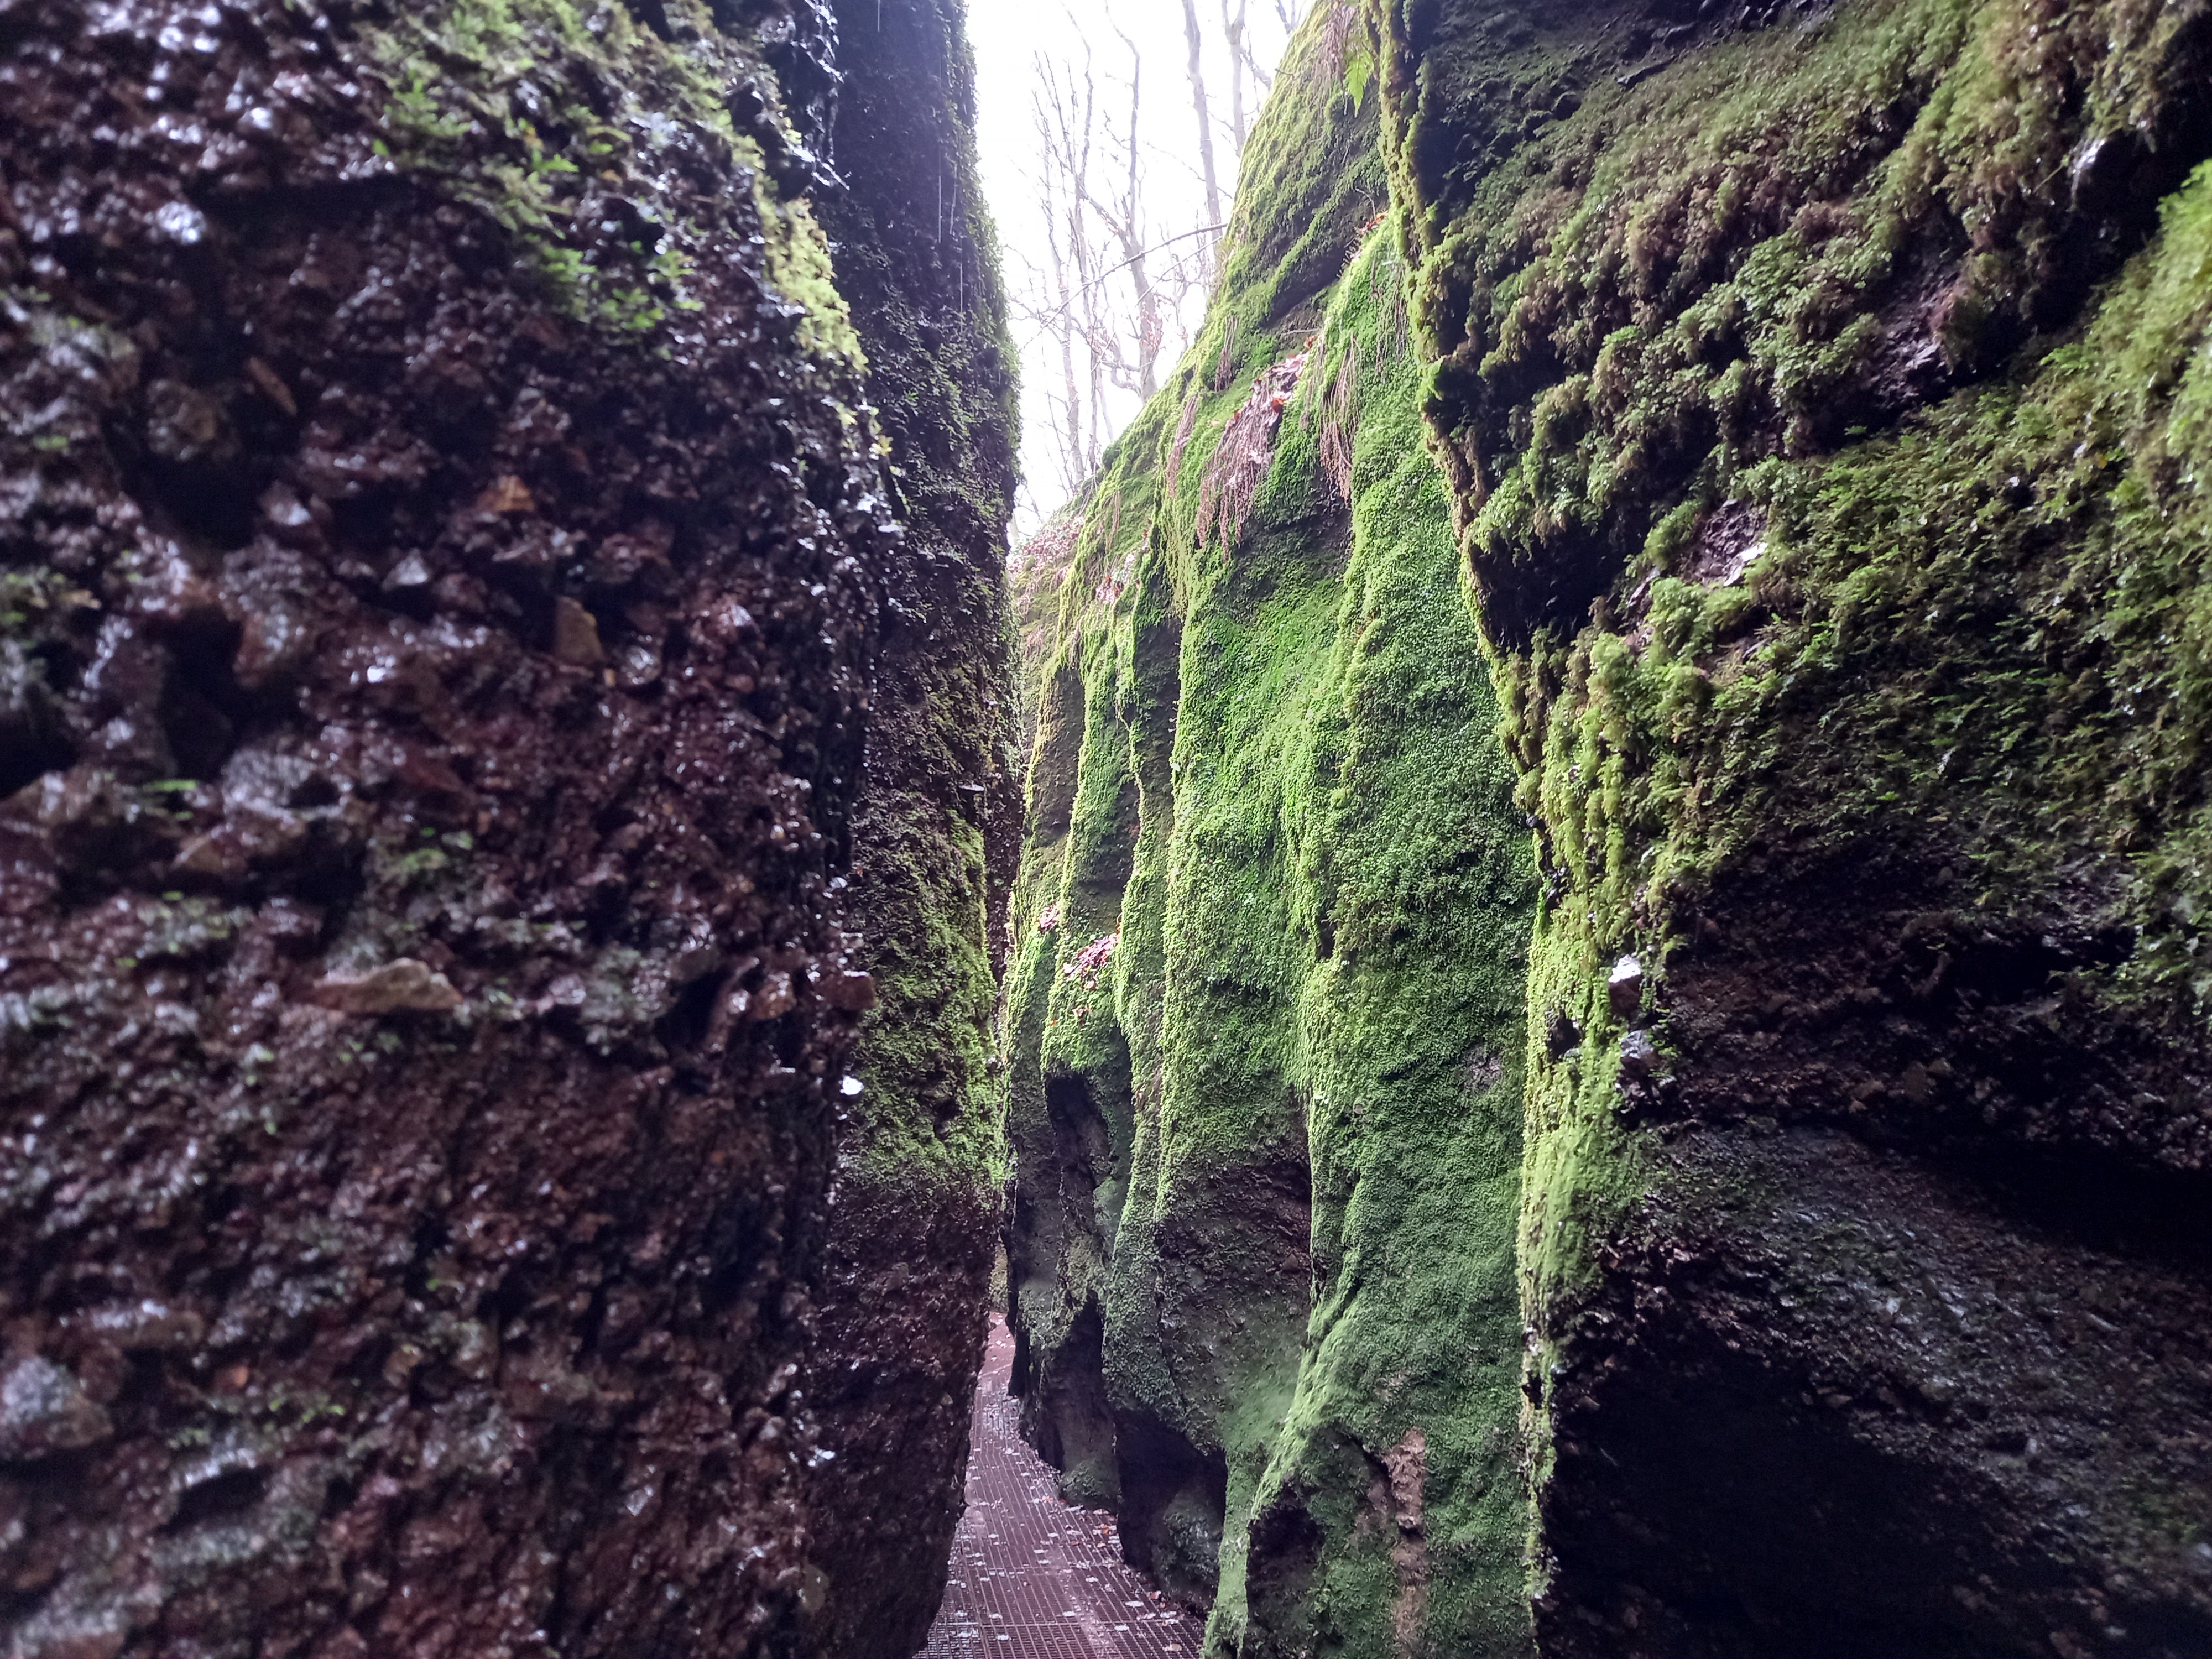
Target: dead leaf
[(576, 635), (507, 494), (272, 386)]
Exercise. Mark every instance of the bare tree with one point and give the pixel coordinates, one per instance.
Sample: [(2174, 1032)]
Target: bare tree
[(1196, 42), (1232, 31), (1061, 301), (1111, 287), (1242, 62), (1135, 358)]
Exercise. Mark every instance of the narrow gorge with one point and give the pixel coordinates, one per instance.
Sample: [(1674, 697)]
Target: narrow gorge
[(1557, 931)]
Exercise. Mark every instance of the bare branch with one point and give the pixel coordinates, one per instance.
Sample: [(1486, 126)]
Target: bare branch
[(1106, 291), (1232, 29)]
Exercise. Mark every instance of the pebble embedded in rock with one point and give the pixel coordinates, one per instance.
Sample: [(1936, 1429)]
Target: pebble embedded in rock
[(776, 998), (576, 635), (405, 985), (1624, 988), (855, 993), (45, 1411)]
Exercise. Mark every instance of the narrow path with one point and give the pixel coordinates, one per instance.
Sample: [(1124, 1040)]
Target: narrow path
[(1032, 1577)]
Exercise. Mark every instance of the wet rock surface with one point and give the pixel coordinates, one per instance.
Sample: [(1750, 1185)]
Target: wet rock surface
[(1819, 392), (935, 836), (1264, 1026), (1863, 1250), (441, 558)]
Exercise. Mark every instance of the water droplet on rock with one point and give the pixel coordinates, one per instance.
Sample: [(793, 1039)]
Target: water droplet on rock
[(180, 222)]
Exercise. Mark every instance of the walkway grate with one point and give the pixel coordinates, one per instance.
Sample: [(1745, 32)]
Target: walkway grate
[(1033, 1578)]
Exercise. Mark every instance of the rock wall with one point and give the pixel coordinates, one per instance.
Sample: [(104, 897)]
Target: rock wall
[(1820, 394), (919, 1190), (444, 560), (1821, 389), (1264, 1010)]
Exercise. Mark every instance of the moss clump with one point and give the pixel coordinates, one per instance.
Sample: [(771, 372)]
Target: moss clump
[(1638, 283), (1961, 603), (522, 108), (1418, 872)]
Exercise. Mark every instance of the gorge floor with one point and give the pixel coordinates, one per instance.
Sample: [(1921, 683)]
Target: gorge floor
[(1032, 1578)]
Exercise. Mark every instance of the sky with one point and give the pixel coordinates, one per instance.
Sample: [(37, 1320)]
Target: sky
[(1008, 36)]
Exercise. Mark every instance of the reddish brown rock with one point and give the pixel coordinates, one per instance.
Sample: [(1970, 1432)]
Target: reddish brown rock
[(441, 549)]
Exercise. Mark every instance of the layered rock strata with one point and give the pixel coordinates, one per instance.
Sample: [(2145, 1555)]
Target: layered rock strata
[(446, 559)]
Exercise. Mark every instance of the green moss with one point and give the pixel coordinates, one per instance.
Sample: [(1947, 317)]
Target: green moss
[(1832, 281), (1271, 767), (519, 107), (1641, 288), (1987, 630), (925, 1051), (1417, 871), (925, 1139)]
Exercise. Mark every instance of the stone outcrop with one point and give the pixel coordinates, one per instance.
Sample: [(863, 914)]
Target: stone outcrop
[(1820, 389), (1819, 394), (446, 572), (1265, 1025), (915, 1208)]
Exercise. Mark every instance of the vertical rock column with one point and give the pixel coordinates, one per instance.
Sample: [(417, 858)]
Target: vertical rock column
[(1823, 391), (916, 1204), (1267, 1007)]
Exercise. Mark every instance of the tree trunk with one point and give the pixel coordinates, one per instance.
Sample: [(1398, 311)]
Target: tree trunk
[(1205, 118), (1232, 26)]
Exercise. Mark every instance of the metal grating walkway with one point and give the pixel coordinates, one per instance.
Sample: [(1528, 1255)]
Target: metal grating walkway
[(1032, 1577)]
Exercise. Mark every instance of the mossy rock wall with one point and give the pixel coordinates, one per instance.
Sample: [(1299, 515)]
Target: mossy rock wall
[(916, 1207), (1266, 996), (445, 552), (1823, 392)]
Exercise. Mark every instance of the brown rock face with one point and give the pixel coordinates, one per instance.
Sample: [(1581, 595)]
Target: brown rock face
[(439, 577), (907, 1265)]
